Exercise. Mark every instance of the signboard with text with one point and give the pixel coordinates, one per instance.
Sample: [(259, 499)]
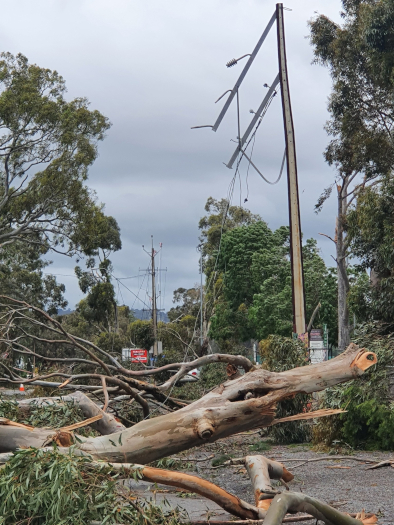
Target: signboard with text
[(138, 355), (135, 355)]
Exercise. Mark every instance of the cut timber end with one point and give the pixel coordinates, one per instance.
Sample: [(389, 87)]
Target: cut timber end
[(205, 428), (364, 360), (287, 476)]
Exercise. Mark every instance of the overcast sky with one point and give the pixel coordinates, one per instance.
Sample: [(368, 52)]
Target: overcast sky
[(155, 68)]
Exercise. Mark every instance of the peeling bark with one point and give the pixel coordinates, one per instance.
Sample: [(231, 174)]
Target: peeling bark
[(261, 470), (224, 411)]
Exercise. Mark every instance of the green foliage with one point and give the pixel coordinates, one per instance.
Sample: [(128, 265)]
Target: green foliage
[(52, 488), (189, 300), (43, 193), (371, 231), (255, 300), (9, 409), (282, 353), (369, 425), (110, 342), (22, 277), (279, 354), (369, 421), (220, 460), (53, 415), (44, 415), (221, 217), (361, 104), (141, 333)]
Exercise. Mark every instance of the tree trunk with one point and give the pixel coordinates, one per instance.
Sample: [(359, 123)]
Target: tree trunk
[(242, 404), (106, 425), (343, 281)]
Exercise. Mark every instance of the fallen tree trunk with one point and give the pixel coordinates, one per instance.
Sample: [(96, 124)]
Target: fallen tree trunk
[(244, 403), (227, 410), (106, 425)]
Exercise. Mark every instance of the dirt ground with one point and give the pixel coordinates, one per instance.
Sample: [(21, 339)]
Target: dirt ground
[(344, 484)]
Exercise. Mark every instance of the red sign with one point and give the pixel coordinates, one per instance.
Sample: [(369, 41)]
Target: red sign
[(138, 355)]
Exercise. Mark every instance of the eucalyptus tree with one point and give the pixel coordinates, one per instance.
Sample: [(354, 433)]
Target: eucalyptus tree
[(46, 147), (359, 56)]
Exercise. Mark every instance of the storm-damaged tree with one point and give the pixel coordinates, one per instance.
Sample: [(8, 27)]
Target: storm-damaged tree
[(242, 403), (46, 147), (359, 56)]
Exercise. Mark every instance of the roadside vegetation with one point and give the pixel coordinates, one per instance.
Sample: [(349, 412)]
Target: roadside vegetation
[(47, 145)]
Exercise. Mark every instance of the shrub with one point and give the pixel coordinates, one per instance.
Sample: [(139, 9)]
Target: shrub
[(369, 421)]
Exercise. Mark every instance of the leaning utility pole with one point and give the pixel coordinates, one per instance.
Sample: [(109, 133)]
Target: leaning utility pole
[(299, 323)]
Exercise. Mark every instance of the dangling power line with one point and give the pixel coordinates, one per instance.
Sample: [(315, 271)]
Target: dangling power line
[(281, 79)]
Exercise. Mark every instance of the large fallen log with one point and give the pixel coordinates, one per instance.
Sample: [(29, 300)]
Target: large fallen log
[(241, 404), (106, 425)]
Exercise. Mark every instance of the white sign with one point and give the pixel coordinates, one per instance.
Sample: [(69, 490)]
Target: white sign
[(318, 355), (316, 344)]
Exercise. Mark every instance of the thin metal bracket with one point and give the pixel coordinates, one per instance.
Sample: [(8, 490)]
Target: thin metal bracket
[(243, 74), (197, 127), (254, 121)]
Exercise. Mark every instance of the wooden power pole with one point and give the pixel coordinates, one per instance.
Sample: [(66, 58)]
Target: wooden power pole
[(299, 324)]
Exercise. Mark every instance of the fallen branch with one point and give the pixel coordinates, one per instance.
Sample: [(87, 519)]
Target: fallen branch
[(386, 463), (189, 483), (261, 470), (295, 502), (329, 458), (245, 403), (106, 425)]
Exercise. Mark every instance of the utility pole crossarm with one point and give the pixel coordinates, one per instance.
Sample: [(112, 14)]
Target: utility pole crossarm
[(243, 74)]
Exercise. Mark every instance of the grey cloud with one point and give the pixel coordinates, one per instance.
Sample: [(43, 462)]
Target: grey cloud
[(155, 69)]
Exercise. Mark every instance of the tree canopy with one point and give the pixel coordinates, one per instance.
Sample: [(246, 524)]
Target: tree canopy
[(46, 147), (359, 56), (256, 285)]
